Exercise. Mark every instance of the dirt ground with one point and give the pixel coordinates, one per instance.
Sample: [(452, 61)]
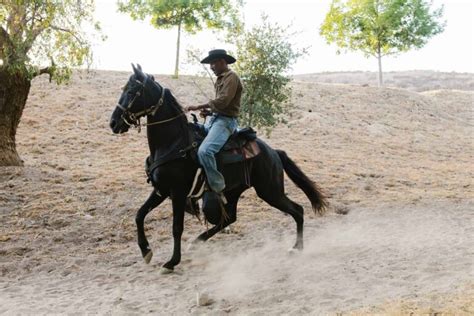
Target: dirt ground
[(398, 161)]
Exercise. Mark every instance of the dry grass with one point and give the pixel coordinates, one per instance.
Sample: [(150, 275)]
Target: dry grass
[(416, 80)]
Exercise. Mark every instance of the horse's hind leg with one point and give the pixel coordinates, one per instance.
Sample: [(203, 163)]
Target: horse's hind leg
[(153, 201), (279, 200), (231, 209)]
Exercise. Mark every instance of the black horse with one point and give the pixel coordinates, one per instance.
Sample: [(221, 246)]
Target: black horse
[(168, 140)]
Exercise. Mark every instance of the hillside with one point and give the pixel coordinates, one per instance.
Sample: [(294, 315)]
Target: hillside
[(415, 80), (400, 162)]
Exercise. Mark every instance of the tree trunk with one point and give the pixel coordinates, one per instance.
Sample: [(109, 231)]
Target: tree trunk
[(380, 71), (14, 89), (176, 67), (379, 57)]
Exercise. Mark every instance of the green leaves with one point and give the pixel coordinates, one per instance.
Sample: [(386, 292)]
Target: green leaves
[(381, 27), (194, 15), (45, 36), (265, 55)]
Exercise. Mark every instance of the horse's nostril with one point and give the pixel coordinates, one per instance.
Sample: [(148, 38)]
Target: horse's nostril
[(112, 123)]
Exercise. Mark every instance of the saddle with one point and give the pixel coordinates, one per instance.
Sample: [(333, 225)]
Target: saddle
[(240, 146)]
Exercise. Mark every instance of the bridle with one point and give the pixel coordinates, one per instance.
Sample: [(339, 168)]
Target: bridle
[(133, 119)]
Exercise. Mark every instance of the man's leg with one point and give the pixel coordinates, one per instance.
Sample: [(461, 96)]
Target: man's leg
[(208, 123), (217, 136)]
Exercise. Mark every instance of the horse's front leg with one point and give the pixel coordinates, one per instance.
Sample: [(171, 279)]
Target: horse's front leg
[(153, 201), (179, 204)]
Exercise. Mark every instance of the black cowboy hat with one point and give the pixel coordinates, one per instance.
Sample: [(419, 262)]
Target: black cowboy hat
[(216, 54)]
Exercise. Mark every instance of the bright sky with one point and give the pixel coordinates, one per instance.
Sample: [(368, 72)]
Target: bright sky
[(136, 41)]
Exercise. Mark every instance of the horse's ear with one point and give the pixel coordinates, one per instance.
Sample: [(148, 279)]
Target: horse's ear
[(139, 75), (135, 70), (139, 67)]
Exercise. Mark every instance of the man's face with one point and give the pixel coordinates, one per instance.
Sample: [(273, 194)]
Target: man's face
[(218, 66)]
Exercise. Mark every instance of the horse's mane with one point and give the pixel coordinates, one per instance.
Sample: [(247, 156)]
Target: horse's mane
[(169, 97)]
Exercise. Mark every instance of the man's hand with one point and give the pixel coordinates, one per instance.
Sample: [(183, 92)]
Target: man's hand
[(196, 107), (205, 113)]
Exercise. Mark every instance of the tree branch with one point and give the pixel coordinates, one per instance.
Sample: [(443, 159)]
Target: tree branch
[(4, 37), (203, 66), (33, 15), (46, 70), (15, 21), (29, 41), (6, 46), (57, 28)]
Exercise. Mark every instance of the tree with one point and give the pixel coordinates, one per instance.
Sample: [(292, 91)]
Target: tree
[(192, 15), (381, 27), (36, 37), (265, 55)]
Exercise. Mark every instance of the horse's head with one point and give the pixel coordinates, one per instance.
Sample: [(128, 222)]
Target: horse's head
[(140, 96)]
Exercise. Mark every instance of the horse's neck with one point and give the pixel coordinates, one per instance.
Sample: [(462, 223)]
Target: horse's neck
[(163, 137)]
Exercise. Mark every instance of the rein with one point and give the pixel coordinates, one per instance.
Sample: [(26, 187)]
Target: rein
[(165, 121)]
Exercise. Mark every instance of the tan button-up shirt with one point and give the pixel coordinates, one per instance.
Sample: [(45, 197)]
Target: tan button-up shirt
[(228, 93)]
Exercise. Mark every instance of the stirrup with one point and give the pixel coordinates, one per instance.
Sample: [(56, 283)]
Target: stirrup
[(222, 198)]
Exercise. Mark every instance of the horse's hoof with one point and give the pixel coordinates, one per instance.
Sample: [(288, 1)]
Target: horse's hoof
[(148, 257), (164, 270), (195, 245), (294, 251)]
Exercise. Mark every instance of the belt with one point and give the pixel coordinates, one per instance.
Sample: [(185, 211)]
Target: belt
[(219, 114)]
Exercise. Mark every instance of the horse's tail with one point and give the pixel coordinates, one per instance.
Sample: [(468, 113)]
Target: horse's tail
[(312, 191)]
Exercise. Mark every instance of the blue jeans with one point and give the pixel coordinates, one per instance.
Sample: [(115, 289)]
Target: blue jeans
[(219, 128)]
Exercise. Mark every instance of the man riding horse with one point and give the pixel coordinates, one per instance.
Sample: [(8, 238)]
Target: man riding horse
[(223, 122), (173, 166)]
